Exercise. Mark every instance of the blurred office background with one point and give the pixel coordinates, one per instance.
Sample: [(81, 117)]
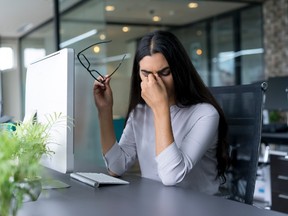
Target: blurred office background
[(230, 42)]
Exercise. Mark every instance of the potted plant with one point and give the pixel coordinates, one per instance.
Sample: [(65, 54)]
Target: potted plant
[(21, 148)]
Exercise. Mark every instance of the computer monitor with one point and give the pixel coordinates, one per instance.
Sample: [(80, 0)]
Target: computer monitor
[(50, 89), (277, 94)]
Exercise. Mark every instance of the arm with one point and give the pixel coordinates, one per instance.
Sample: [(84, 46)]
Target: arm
[(199, 136), (104, 102), (117, 158), (155, 95), (123, 154), (163, 129)]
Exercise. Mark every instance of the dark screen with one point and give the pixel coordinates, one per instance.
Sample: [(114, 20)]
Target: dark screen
[(277, 94)]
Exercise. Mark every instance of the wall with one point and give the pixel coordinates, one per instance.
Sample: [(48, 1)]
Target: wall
[(275, 14), (11, 85)]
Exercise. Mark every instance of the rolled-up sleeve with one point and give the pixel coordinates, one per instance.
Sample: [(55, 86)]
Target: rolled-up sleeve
[(114, 160), (123, 154), (170, 162)]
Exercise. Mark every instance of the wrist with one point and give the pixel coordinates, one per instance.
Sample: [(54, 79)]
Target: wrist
[(161, 110), (105, 113)]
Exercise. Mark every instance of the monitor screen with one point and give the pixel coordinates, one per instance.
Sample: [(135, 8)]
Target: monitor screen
[(50, 90), (277, 94)]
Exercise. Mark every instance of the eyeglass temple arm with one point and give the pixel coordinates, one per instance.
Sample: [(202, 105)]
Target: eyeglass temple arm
[(92, 46), (118, 66)]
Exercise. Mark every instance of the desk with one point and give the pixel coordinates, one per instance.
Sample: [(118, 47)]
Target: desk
[(142, 197), (275, 138)]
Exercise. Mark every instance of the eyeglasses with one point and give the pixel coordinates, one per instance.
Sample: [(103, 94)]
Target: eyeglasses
[(86, 64)]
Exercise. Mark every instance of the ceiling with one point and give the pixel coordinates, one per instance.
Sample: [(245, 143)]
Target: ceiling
[(16, 15), (21, 16)]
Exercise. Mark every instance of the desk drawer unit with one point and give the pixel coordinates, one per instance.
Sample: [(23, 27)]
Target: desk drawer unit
[(279, 182)]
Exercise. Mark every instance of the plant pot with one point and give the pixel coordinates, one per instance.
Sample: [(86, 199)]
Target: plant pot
[(31, 188), (27, 190)]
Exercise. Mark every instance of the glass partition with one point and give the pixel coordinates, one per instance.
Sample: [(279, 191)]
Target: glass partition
[(223, 61), (194, 39), (80, 27), (252, 65)]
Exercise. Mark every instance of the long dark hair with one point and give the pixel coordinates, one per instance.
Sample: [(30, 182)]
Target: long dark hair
[(189, 87)]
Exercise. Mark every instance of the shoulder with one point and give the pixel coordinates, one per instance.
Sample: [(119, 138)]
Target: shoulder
[(201, 109), (194, 113), (140, 109), (206, 109)]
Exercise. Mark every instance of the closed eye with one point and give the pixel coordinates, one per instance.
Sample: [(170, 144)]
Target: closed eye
[(145, 73), (164, 72)]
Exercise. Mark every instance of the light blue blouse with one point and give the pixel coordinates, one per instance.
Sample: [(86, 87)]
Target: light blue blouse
[(188, 162)]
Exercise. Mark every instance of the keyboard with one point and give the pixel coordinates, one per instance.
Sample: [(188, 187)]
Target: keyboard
[(97, 179)]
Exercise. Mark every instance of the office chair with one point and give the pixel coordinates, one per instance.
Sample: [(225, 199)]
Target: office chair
[(242, 106)]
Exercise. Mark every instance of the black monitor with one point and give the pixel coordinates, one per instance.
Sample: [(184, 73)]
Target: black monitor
[(277, 94)]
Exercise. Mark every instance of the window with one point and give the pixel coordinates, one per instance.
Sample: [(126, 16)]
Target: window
[(223, 62), (6, 58), (252, 66), (32, 54)]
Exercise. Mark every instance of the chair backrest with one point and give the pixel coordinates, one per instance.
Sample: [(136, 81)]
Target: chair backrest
[(242, 106)]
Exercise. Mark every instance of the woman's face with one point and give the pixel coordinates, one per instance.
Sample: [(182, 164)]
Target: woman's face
[(158, 64)]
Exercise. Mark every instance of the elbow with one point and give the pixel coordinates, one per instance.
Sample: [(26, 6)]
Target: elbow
[(172, 179), (169, 182), (113, 173)]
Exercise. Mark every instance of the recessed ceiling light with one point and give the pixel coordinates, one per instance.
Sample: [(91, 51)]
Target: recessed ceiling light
[(193, 5), (109, 8), (199, 51), (96, 49), (102, 36), (156, 18), (125, 29)]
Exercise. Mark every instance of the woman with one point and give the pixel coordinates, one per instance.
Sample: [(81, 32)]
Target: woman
[(174, 126)]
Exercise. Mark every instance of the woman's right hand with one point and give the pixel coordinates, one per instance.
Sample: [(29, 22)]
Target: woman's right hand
[(102, 92)]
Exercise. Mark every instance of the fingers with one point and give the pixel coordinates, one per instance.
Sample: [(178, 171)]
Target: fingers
[(151, 85), (151, 78), (107, 80), (98, 86), (101, 84), (157, 77), (154, 79), (102, 93), (159, 80)]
